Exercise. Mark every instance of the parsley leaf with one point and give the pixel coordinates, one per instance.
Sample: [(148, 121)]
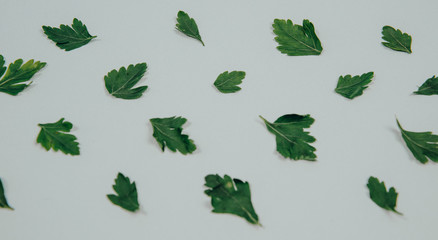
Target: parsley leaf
[(227, 82), (351, 87), (17, 73), (3, 201), (296, 40), (231, 196), (384, 199), (126, 194), (53, 135), (188, 26), (423, 145), (69, 38), (167, 132), (396, 40), (292, 140), (430, 87), (119, 84)]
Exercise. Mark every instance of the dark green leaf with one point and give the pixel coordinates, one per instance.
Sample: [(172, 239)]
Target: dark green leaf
[(188, 26), (430, 87), (423, 145), (296, 40), (167, 132), (227, 82), (69, 38), (384, 199), (3, 201), (53, 135), (126, 194), (396, 40), (231, 196), (292, 140), (351, 87), (119, 84), (16, 74)]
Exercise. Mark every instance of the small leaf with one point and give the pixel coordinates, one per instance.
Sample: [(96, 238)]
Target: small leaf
[(423, 145), (384, 199), (292, 140), (351, 87), (296, 40), (69, 38), (120, 83), (231, 196), (3, 201), (396, 40), (167, 132), (430, 87), (53, 135), (227, 82), (126, 194), (188, 26), (17, 73)]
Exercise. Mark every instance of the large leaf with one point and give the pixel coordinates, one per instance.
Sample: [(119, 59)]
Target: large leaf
[(423, 145), (16, 74), (396, 40), (430, 87), (296, 40), (231, 196), (227, 82), (351, 87), (168, 133), (188, 26), (120, 83), (292, 140), (53, 135), (3, 201), (126, 194), (384, 199), (69, 38)]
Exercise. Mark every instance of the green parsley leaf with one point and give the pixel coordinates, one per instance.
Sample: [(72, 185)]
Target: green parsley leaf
[(292, 140), (423, 145), (351, 87), (3, 201), (430, 87), (127, 194), (53, 135), (119, 84), (167, 132), (384, 199), (188, 26), (227, 82), (69, 38), (17, 73), (231, 196), (396, 40), (296, 40)]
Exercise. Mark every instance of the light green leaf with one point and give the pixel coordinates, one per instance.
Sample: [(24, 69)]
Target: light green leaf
[(296, 40), (53, 135), (423, 145), (351, 87), (227, 82), (120, 83), (168, 133), (292, 140), (231, 196), (396, 40), (17, 73), (430, 87), (126, 194), (69, 38), (3, 201), (384, 199), (188, 26)]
